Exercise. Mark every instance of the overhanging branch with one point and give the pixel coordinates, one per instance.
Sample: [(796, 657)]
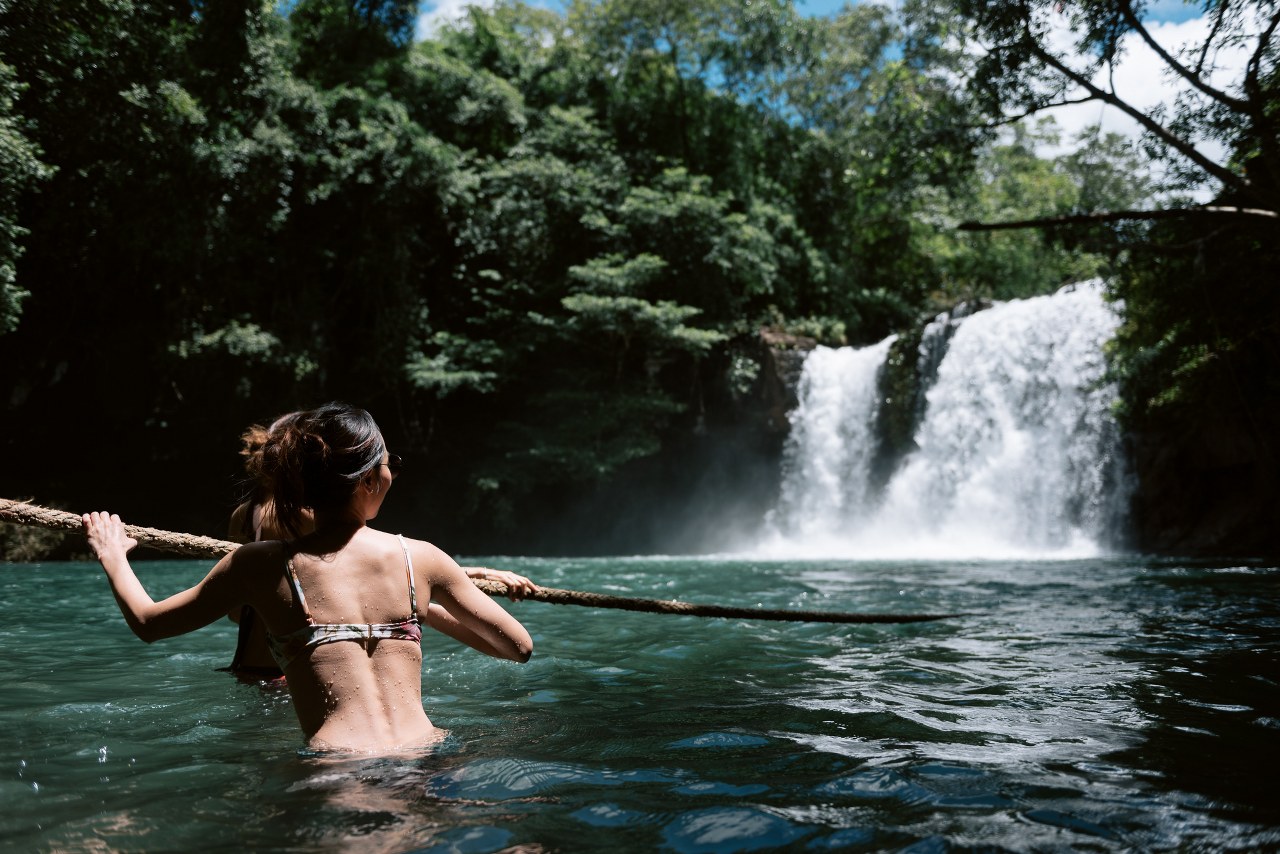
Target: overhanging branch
[(1040, 108), (1117, 216)]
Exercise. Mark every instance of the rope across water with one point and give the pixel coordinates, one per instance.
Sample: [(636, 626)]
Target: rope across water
[(24, 513)]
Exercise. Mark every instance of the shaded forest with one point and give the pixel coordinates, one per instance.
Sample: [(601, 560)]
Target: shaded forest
[(554, 252)]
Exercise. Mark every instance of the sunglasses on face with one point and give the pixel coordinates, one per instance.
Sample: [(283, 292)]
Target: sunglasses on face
[(394, 464)]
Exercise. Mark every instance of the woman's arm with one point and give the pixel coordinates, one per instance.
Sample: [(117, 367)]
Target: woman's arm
[(442, 621), (183, 612), (473, 617)]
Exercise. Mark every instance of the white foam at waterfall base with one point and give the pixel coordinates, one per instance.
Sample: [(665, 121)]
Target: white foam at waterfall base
[(1017, 452)]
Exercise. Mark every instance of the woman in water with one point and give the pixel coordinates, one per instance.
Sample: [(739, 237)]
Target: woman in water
[(341, 603), (255, 519)]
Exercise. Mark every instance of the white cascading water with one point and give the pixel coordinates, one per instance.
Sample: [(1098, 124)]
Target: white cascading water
[(1017, 451), (832, 444)]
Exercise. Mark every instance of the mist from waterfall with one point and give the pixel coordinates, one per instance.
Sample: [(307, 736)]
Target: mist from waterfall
[(1016, 453)]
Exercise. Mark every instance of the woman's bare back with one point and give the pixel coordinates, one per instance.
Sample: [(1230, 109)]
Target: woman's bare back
[(354, 693)]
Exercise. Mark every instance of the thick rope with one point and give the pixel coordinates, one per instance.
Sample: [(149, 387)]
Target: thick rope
[(23, 513)]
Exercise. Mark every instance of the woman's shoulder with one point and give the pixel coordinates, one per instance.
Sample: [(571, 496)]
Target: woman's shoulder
[(427, 556)]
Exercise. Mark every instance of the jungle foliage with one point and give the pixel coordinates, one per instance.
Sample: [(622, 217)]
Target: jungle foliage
[(534, 244)]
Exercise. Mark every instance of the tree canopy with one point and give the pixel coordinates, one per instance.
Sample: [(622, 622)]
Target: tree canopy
[(538, 244)]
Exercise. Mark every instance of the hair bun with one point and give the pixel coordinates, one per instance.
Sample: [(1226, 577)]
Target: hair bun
[(253, 440), (315, 446)]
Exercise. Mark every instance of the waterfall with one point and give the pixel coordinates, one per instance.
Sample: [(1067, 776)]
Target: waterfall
[(1015, 453), (832, 443)]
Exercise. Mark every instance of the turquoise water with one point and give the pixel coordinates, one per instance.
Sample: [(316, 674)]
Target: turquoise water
[(1114, 704)]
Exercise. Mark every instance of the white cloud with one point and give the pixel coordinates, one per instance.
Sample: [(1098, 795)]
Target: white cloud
[(445, 12), (1143, 80)]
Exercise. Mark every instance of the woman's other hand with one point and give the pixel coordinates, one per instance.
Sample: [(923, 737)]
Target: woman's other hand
[(518, 586), (106, 536)]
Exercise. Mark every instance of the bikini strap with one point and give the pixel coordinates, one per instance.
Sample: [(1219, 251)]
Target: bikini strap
[(408, 565), (297, 590)]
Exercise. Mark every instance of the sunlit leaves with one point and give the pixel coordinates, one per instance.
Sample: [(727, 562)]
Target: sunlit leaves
[(457, 363), (617, 274), (20, 168), (628, 320)]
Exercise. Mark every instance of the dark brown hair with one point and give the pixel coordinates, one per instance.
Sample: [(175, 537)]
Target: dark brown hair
[(314, 458)]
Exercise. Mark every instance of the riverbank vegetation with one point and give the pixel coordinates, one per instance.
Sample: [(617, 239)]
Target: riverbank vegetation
[(541, 246)]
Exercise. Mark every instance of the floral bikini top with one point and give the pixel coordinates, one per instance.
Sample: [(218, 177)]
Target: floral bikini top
[(285, 648)]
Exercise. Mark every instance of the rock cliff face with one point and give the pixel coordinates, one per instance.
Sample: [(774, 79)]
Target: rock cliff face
[(1212, 491), (781, 357)]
